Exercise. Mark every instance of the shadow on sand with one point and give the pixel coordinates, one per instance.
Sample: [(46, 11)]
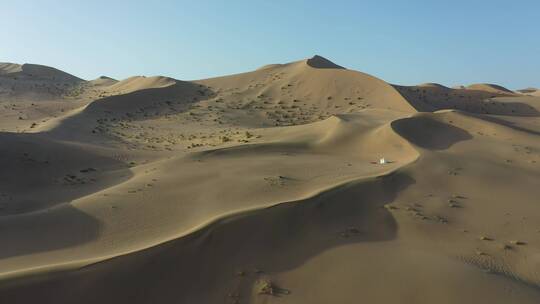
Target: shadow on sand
[(428, 133), (274, 239)]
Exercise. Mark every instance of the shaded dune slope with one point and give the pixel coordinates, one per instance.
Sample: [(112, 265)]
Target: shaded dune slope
[(55, 172), (424, 131), (474, 99), (35, 82), (251, 240), (103, 81), (139, 104), (36, 72), (489, 87)]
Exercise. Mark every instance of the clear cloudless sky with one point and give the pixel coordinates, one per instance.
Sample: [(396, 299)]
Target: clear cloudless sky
[(406, 42)]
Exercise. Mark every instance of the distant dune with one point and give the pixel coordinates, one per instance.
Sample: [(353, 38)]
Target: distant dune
[(433, 85), (488, 87), (530, 91), (9, 68), (35, 83), (103, 81), (136, 83), (35, 71), (480, 99)]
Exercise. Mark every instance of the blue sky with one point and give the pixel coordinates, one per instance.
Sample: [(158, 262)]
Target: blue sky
[(404, 42)]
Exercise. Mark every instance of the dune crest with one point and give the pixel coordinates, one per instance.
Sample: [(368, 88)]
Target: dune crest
[(530, 91), (433, 85), (320, 62), (488, 87), (9, 68), (103, 81), (137, 83)]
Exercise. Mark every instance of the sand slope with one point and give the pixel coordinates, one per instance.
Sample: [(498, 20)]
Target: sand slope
[(489, 87), (265, 187), (136, 83), (530, 91), (103, 81), (481, 99), (316, 82), (33, 81)]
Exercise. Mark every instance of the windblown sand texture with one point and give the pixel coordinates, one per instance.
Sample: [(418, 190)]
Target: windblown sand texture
[(266, 187)]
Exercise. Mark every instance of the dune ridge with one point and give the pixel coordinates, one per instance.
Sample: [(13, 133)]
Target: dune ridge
[(489, 87)]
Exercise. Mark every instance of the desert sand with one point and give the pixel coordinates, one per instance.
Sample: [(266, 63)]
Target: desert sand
[(266, 187)]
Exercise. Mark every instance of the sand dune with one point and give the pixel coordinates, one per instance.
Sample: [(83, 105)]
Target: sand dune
[(488, 87), (32, 81), (482, 99), (35, 71), (315, 82), (136, 83), (530, 91), (103, 81), (9, 68), (31, 95), (267, 187), (433, 85), (322, 63)]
